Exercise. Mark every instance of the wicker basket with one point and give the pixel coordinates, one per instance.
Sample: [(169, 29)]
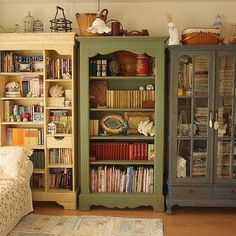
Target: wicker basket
[(201, 36), (85, 20)]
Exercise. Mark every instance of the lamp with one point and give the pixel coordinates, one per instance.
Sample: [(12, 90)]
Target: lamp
[(98, 25)]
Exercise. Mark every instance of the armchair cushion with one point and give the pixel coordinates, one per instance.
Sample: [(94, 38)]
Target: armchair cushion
[(13, 161)]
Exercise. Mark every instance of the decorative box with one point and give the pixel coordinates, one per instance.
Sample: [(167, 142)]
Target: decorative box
[(201, 36)]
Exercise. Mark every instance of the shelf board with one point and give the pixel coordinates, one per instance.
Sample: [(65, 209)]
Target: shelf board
[(21, 73), (122, 162), (122, 109), (23, 98), (192, 96), (121, 77), (38, 190), (23, 123), (59, 135), (58, 80), (54, 190), (41, 147), (38, 171), (190, 137), (59, 165), (60, 108), (123, 137)]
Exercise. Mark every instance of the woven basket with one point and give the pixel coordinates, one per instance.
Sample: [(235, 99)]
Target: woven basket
[(201, 36), (85, 20)]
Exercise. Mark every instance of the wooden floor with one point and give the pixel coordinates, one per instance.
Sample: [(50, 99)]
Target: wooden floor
[(183, 221)]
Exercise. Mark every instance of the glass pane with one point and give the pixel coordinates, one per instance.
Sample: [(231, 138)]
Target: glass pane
[(234, 162), (199, 162), (185, 76), (183, 158), (226, 75), (223, 159), (184, 117), (201, 117), (223, 121), (201, 66)]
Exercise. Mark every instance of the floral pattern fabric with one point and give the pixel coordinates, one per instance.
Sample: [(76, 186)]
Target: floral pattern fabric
[(15, 202)]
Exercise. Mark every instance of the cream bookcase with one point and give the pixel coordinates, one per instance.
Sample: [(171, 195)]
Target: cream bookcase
[(36, 62)]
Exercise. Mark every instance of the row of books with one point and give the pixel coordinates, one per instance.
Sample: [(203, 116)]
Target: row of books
[(38, 159), (199, 164), (24, 136), (59, 67), (93, 127), (122, 151), (130, 98), (59, 116), (60, 155), (11, 62), (12, 109), (98, 67), (37, 180), (32, 85), (116, 179), (60, 178)]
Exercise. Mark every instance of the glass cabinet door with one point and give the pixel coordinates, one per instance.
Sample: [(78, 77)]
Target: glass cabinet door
[(224, 124), (194, 117)]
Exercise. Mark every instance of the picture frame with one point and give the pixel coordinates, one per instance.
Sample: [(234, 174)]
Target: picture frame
[(25, 67), (112, 123), (38, 116)]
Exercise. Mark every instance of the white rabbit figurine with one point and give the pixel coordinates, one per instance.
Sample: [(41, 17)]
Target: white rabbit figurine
[(173, 32)]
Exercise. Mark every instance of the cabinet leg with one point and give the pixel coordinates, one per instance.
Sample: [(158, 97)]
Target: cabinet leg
[(68, 205), (168, 211), (168, 208)]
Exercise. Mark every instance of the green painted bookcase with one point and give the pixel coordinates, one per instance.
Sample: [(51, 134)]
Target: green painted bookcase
[(104, 48)]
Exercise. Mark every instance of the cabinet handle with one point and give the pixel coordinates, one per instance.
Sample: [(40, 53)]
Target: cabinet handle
[(210, 120)]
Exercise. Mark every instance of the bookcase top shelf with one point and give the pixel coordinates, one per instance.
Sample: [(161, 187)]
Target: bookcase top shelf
[(123, 137)]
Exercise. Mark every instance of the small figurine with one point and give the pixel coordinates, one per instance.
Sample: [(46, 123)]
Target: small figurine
[(173, 32), (218, 22), (25, 117), (66, 76), (18, 119), (12, 118), (125, 128), (52, 128)]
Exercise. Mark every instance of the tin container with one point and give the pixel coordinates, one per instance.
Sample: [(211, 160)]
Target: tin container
[(142, 66)]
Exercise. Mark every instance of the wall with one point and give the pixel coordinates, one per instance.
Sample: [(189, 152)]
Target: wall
[(133, 15)]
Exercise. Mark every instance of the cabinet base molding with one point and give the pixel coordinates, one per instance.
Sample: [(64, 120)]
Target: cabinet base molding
[(67, 200), (200, 197), (121, 200)]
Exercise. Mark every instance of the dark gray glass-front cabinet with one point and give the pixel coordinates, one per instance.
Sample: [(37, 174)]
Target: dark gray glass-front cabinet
[(202, 126)]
